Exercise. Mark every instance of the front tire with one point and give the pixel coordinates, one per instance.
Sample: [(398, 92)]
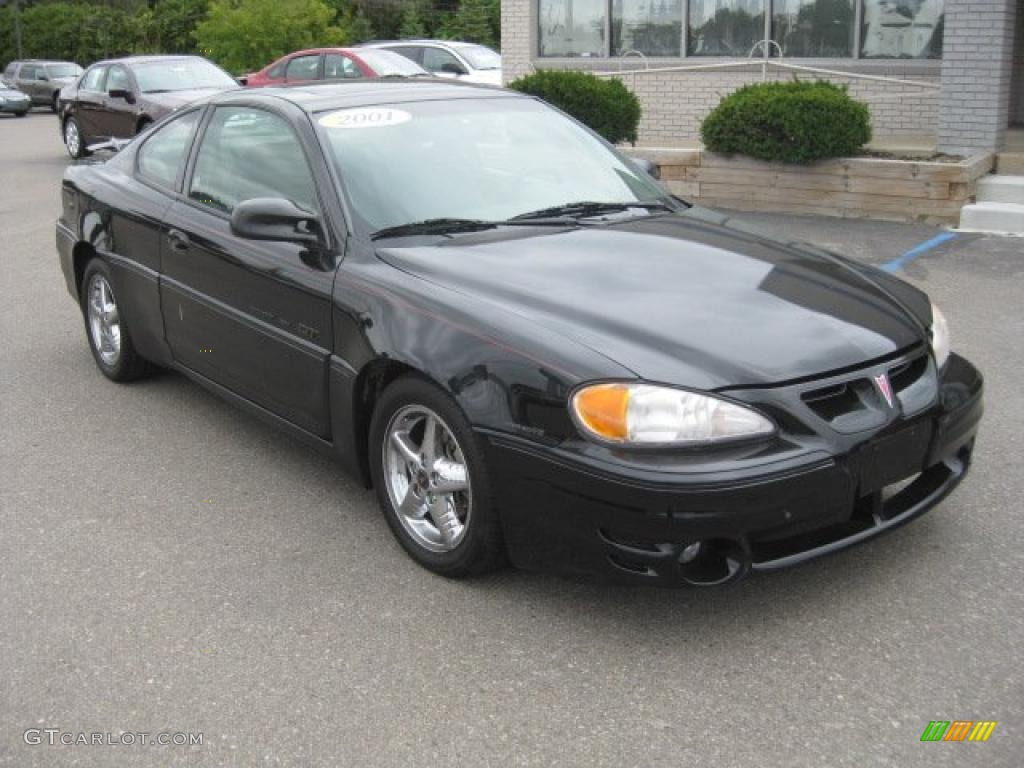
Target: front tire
[(55, 103), (74, 139), (432, 482), (105, 328), (21, 114)]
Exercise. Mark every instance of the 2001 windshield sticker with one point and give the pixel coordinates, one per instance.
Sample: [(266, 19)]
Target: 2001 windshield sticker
[(365, 117)]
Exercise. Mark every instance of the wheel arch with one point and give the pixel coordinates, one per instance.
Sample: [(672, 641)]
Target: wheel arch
[(370, 383), (81, 255)]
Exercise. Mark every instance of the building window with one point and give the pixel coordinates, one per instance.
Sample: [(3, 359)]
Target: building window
[(825, 29), (650, 27), (725, 27), (902, 29), (814, 28), (572, 27)]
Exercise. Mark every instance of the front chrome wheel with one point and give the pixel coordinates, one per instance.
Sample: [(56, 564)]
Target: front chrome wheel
[(72, 138), (104, 320), (427, 478)]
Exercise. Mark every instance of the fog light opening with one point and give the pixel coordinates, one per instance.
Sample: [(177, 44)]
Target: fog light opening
[(714, 561)]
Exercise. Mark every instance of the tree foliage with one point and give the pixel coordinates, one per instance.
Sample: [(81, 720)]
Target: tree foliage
[(240, 35)]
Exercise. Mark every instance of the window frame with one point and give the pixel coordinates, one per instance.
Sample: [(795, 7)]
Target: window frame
[(317, 75), (769, 13), (103, 69), (179, 180), (128, 75), (323, 67), (197, 144)]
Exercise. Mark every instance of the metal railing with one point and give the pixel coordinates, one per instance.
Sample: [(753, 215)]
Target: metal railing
[(765, 61)]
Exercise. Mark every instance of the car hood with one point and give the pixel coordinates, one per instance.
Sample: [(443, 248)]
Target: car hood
[(678, 299)]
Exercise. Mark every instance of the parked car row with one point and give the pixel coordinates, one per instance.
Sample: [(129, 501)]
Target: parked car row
[(119, 98), (41, 80)]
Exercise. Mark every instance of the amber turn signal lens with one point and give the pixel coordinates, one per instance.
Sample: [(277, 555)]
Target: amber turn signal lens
[(602, 409)]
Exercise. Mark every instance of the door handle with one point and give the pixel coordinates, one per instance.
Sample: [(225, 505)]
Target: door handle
[(179, 240)]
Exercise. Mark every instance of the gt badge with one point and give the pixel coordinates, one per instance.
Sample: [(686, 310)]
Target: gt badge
[(884, 387)]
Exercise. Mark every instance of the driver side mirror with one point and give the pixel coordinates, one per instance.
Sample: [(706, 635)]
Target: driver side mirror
[(276, 219), (121, 93), (648, 167), (452, 68)]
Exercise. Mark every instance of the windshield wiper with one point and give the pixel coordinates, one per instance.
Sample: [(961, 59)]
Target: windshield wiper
[(447, 226), (590, 208), (435, 227)]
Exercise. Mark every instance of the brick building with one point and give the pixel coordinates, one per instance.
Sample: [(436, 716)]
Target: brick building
[(947, 70)]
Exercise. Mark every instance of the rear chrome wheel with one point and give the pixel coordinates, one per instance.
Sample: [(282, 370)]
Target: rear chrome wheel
[(427, 479), (104, 320), (105, 326)]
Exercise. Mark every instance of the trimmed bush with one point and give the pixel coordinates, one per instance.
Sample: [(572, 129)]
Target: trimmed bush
[(793, 122), (604, 105)]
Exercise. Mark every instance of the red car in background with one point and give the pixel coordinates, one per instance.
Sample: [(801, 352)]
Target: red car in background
[(334, 64)]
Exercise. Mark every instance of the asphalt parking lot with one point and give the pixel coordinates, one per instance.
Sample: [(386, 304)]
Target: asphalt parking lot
[(169, 564)]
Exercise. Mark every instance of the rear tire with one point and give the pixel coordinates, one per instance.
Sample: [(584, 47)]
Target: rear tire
[(435, 494), (74, 139), (106, 330), (21, 114)]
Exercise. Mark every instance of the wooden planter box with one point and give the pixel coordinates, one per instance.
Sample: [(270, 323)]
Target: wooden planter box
[(859, 187)]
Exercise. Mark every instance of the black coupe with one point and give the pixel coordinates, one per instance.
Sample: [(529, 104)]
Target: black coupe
[(515, 335)]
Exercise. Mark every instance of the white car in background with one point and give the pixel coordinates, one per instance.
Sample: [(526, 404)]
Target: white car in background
[(470, 62)]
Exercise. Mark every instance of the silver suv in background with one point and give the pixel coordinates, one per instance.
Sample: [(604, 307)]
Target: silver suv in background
[(41, 80), (471, 62)]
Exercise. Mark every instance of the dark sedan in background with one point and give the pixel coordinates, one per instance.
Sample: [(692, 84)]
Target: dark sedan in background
[(41, 80), (333, 64), (512, 332), (119, 98)]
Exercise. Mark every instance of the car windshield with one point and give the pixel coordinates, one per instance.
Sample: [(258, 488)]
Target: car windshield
[(385, 63), (180, 75), (483, 159), (63, 70), (479, 56)]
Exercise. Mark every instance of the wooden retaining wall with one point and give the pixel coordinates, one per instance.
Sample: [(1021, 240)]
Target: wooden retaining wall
[(896, 190)]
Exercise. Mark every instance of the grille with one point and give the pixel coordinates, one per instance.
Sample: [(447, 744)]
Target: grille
[(847, 404)]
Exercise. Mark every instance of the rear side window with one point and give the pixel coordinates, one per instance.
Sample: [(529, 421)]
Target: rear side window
[(248, 153), (338, 67), (277, 70), (93, 80), (411, 52), (11, 69), (436, 60), (161, 157)]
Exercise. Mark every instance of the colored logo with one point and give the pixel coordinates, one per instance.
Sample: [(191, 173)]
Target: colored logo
[(958, 730), (884, 387)]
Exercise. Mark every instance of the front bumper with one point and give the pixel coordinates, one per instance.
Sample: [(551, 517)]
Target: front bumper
[(565, 513)]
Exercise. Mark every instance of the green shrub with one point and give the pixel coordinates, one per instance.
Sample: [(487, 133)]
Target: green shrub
[(604, 105), (794, 122)]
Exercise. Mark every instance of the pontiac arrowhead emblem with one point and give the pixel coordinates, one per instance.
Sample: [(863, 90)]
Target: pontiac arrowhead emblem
[(884, 387)]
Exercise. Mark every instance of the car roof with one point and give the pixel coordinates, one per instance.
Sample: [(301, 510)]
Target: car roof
[(147, 59), (317, 97)]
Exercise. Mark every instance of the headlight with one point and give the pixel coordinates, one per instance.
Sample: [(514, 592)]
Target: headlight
[(940, 337), (642, 414)]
